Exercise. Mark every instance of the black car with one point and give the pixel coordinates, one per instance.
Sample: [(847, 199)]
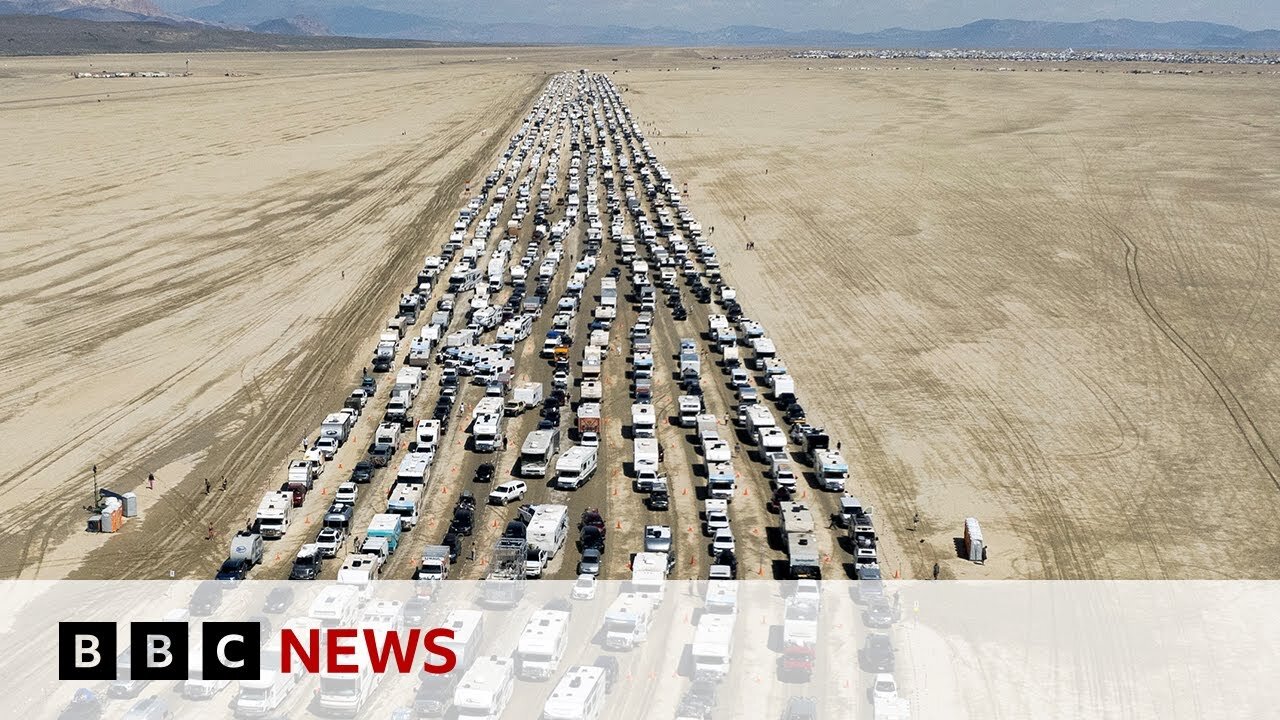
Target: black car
[(362, 472), (467, 500), (515, 529), (415, 610), (369, 383), (441, 412), (680, 314), (592, 537), (879, 615), (615, 271), (557, 398), (484, 473), (610, 665), (728, 559), (264, 627), (793, 413), (463, 522), (84, 705), (435, 695), (781, 494), (453, 541), (278, 600), (380, 454), (552, 415), (877, 653), (800, 708), (233, 570), (206, 598), (658, 500)]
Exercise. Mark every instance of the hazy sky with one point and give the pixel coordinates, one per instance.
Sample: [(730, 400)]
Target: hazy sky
[(851, 15)]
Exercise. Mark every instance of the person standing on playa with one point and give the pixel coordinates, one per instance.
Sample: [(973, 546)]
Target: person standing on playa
[(207, 487), (151, 481)]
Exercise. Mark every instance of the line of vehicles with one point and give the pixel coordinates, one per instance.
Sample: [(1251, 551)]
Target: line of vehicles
[(661, 251)]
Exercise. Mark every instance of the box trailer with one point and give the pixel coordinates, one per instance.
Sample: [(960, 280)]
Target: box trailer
[(974, 548)]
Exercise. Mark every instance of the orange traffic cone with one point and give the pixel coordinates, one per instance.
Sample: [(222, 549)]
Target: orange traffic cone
[(619, 525)]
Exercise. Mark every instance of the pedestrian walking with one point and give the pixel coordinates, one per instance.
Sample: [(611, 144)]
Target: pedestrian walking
[(151, 481), (207, 487), (304, 444), (209, 535), (224, 483), (364, 371), (838, 444), (504, 442), (936, 570)]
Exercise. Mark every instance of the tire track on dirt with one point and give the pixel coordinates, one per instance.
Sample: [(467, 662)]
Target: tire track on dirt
[(1249, 431), (294, 401)]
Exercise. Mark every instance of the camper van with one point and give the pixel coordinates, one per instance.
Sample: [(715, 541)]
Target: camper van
[(548, 529), (264, 695), (626, 622), (580, 695), (575, 467), (542, 644), (486, 687), (536, 453)]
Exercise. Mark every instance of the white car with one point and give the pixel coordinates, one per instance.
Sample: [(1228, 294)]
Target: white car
[(316, 455), (723, 540), (346, 493), (584, 588), (328, 446), (808, 591), (590, 439), (885, 687), (507, 492), (717, 520)]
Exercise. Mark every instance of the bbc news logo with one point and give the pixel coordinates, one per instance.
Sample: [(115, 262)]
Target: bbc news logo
[(159, 651), (230, 651)]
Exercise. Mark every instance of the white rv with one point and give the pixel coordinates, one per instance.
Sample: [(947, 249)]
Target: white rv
[(537, 452), (713, 645), (575, 466), (548, 529), (542, 644), (264, 695), (626, 623), (487, 432), (485, 689), (578, 696), (273, 514), (644, 422), (336, 606), (690, 406)]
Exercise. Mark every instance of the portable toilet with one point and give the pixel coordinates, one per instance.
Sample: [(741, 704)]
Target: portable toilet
[(973, 545), (130, 505), (112, 515)]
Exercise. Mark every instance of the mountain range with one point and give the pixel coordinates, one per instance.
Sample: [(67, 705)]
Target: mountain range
[(316, 18)]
